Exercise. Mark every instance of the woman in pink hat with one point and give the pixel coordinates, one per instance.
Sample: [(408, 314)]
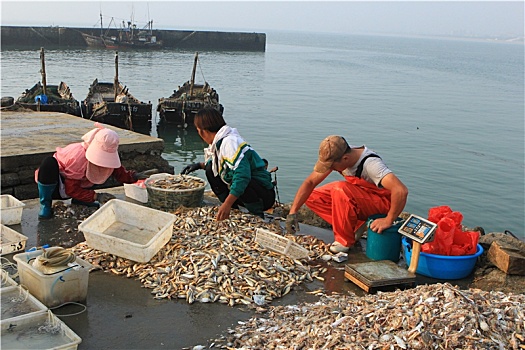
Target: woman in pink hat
[(73, 170)]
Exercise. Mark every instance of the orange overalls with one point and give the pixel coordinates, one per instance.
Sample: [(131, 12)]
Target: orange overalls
[(346, 205)]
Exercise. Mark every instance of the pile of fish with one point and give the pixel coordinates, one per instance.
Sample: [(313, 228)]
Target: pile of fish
[(437, 316), (210, 261), (176, 182)]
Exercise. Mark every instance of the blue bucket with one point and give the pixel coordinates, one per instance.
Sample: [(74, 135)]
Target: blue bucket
[(385, 245), (442, 266)]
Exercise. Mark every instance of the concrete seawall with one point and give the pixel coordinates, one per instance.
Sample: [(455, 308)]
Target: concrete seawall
[(64, 37), (29, 137)]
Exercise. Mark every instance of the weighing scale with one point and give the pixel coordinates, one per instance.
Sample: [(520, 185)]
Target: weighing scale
[(376, 274)]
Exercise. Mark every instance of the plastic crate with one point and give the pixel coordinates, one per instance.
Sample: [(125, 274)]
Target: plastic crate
[(128, 230), (136, 192), (170, 199), (69, 284), (280, 244), (7, 281), (11, 210), (17, 301), (11, 241), (38, 331)]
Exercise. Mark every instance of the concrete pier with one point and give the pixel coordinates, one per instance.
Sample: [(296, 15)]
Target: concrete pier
[(64, 37), (29, 137)]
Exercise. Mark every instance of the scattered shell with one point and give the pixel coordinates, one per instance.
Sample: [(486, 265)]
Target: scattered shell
[(456, 319)]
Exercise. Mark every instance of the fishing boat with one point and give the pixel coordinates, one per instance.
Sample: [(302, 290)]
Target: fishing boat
[(113, 104), (96, 40), (128, 36), (93, 40), (48, 98), (180, 108)]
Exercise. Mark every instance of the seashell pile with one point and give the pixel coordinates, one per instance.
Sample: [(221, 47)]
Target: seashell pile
[(437, 316), (210, 261), (176, 182)]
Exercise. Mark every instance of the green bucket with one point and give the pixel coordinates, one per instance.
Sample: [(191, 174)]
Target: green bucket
[(385, 245)]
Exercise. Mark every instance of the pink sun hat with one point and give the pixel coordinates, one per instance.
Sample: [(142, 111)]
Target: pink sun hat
[(103, 148)]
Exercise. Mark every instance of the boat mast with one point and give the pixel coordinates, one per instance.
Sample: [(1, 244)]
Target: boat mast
[(115, 82), (193, 73), (101, 26), (43, 71)]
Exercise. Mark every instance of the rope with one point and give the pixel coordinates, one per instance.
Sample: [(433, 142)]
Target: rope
[(200, 67), (276, 188), (8, 264), (69, 303), (129, 121), (54, 257)]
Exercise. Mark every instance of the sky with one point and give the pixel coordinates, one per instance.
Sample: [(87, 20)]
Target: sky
[(443, 18)]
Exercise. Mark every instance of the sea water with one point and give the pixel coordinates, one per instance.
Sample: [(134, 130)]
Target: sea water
[(447, 116)]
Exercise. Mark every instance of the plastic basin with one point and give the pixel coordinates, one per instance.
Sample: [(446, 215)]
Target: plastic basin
[(442, 266)]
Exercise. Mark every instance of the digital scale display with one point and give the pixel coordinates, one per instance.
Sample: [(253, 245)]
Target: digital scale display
[(418, 229)]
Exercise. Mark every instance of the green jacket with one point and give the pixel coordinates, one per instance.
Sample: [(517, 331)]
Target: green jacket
[(250, 167)]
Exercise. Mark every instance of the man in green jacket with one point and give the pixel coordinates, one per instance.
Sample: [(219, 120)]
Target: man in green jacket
[(236, 173)]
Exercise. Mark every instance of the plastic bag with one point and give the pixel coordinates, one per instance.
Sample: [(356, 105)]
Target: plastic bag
[(450, 239)]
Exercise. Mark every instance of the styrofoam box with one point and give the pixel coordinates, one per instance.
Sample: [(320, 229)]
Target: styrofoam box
[(133, 191), (128, 230), (38, 331), (11, 210), (11, 241), (17, 301), (70, 284), (7, 281)]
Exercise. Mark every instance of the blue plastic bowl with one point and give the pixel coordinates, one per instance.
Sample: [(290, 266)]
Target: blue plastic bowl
[(442, 266)]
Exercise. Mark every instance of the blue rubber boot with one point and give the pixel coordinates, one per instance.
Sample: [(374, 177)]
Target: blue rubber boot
[(45, 192)]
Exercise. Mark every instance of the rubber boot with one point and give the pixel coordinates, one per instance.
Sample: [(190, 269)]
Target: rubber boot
[(45, 192), (256, 208)]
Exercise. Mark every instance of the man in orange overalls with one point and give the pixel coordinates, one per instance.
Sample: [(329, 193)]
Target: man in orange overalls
[(369, 188)]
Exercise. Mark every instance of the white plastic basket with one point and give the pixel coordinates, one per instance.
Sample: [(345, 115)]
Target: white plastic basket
[(17, 302), (280, 244), (128, 230), (11, 210), (11, 241), (38, 331), (69, 284)]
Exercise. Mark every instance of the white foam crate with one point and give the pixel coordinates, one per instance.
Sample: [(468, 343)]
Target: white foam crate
[(128, 230), (7, 281), (136, 192), (42, 331), (11, 241), (17, 301), (280, 244), (11, 210), (67, 285)]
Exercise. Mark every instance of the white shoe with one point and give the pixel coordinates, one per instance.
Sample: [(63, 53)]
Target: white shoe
[(337, 247)]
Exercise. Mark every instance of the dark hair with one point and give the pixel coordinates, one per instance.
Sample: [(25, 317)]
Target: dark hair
[(209, 119), (265, 161)]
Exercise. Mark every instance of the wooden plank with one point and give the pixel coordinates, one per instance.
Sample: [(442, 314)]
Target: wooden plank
[(357, 281), (380, 273), (507, 258)]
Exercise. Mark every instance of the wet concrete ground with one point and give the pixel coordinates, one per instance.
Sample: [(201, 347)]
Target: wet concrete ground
[(120, 314)]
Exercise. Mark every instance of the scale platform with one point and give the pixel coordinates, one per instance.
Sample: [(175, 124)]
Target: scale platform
[(376, 274)]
